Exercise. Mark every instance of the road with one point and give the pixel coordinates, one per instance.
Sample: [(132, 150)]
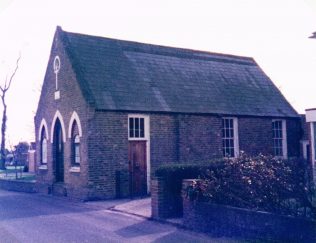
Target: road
[(40, 218)]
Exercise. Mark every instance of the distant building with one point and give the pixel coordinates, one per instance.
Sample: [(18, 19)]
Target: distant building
[(112, 111)]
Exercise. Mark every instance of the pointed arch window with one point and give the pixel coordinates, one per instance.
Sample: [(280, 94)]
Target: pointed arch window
[(76, 150), (43, 147), (75, 144)]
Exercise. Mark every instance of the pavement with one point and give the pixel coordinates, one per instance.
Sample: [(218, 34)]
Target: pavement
[(41, 218), (138, 207)]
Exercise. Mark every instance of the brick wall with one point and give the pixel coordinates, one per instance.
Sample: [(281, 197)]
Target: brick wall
[(294, 135), (304, 128), (164, 137), (18, 186), (231, 221), (108, 153), (199, 138), (159, 199), (71, 99), (255, 135)]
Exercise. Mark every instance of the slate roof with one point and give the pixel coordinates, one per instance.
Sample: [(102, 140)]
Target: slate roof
[(124, 75)]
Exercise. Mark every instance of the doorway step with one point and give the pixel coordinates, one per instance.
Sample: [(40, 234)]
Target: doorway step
[(59, 189)]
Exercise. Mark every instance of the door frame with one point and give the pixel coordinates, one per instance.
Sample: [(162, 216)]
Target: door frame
[(145, 138)]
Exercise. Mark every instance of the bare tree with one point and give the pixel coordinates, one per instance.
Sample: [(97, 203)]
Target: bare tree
[(3, 91)]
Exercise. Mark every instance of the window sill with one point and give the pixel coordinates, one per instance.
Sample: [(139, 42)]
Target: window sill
[(137, 139), (43, 167), (75, 169)]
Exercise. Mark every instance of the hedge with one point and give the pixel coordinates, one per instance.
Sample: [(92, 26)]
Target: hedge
[(262, 183)]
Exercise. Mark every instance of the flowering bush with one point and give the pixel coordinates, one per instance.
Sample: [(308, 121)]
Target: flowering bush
[(262, 183)]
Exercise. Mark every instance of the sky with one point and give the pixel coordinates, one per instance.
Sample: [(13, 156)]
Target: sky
[(274, 32)]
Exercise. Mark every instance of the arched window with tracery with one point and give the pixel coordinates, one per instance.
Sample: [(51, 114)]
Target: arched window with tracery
[(75, 144)]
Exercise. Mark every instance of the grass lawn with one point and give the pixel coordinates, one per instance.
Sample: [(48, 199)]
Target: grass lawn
[(11, 171), (27, 178)]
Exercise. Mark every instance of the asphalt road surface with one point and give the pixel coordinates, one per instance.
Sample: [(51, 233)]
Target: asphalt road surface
[(39, 218)]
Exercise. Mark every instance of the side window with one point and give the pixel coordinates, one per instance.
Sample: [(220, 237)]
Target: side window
[(43, 147), (279, 138), (75, 145), (77, 149), (230, 137), (136, 127)]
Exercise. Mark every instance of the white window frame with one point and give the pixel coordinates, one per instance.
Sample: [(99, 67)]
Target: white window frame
[(235, 137), (145, 138), (313, 142), (304, 144), (44, 150), (284, 138), (313, 160), (76, 150), (146, 128), (74, 118), (63, 130), (43, 134), (42, 126)]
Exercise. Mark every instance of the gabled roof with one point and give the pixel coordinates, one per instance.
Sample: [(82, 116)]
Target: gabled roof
[(124, 75)]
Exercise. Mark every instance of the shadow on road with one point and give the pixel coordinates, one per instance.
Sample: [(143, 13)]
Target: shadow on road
[(21, 205), (140, 229)]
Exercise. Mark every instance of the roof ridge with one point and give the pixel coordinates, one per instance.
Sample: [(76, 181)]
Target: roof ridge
[(168, 50)]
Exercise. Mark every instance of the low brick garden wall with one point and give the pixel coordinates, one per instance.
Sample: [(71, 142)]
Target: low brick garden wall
[(159, 199), (18, 186), (231, 221), (164, 202)]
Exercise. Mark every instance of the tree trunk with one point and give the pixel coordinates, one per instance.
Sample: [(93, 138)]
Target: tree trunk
[(4, 89), (3, 129)]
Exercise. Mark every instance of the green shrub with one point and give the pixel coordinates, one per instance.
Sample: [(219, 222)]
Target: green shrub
[(173, 175), (261, 183)]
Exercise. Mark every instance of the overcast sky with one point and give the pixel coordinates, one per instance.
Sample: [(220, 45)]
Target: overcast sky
[(273, 32)]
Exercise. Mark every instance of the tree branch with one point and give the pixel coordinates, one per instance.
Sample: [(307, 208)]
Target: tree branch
[(13, 74)]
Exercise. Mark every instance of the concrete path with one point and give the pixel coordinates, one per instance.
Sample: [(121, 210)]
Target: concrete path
[(140, 207), (38, 218)]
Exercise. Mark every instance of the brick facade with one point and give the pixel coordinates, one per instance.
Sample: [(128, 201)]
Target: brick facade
[(71, 100), (174, 137)]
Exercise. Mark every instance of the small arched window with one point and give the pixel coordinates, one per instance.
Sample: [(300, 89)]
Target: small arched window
[(43, 147), (75, 140), (77, 150)]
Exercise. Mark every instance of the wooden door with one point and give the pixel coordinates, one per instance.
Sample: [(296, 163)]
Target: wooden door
[(58, 152), (137, 168)]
